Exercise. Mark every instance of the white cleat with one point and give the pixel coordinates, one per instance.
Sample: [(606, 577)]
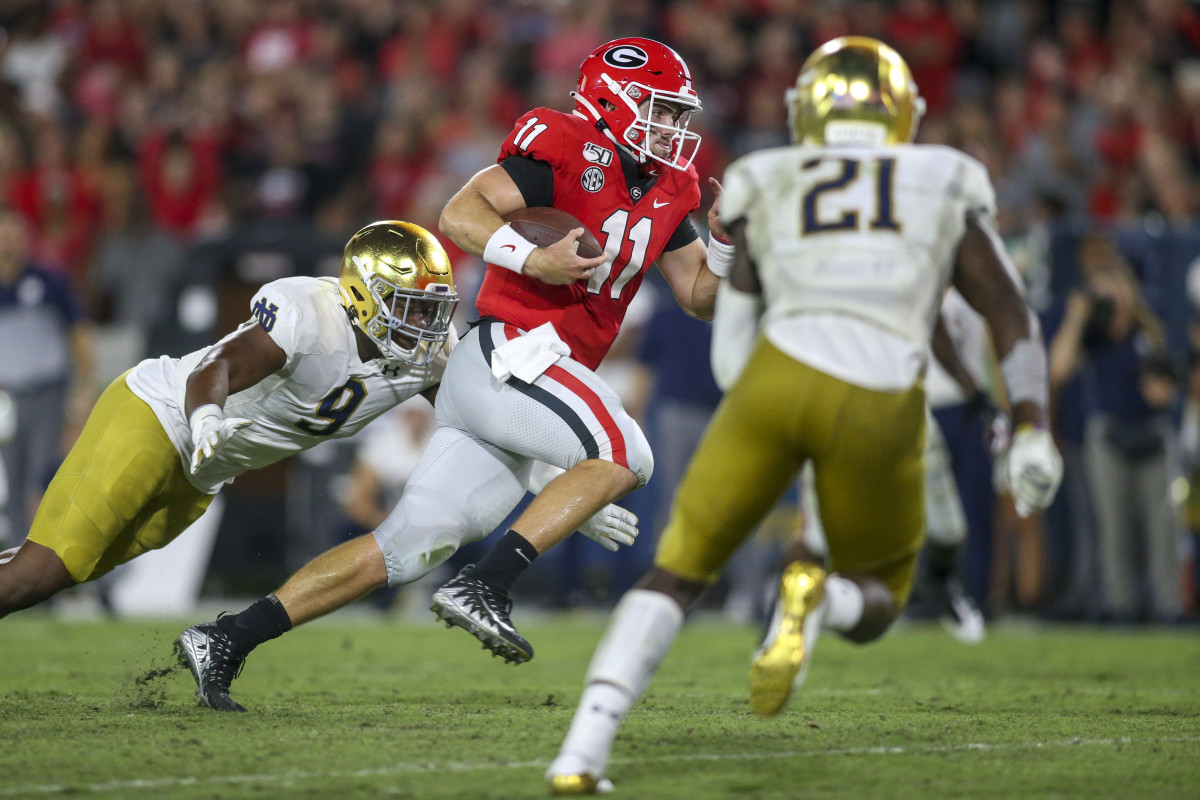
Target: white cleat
[(962, 617)]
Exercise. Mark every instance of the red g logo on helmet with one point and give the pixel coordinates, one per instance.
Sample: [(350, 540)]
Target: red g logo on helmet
[(639, 93)]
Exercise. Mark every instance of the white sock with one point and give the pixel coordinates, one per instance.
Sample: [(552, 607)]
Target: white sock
[(641, 631), (589, 740), (843, 604)]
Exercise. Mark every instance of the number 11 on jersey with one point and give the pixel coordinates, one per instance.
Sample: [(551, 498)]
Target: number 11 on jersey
[(614, 242)]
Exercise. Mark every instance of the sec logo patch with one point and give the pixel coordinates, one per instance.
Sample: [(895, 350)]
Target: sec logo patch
[(593, 179)]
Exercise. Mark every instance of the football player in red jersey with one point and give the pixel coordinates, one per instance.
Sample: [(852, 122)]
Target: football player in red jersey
[(522, 385), (519, 388)]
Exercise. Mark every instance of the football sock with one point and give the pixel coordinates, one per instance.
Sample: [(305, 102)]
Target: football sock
[(843, 604), (943, 560), (501, 567), (261, 622), (643, 627), (593, 729)]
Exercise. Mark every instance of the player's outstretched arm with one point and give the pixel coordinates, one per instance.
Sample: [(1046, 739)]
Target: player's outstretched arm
[(1034, 468), (237, 362), (474, 220)]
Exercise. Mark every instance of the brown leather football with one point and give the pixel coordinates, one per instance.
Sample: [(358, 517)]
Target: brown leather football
[(544, 226)]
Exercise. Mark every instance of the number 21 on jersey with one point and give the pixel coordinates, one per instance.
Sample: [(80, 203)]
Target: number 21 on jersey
[(813, 221)]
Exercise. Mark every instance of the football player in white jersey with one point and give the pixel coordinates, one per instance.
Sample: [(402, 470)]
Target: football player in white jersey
[(945, 519), (318, 359), (845, 243)]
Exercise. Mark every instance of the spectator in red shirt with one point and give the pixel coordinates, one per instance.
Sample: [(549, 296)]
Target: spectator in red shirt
[(929, 40), (181, 174)]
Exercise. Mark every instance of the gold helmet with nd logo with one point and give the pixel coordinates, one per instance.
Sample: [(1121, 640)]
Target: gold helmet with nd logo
[(854, 90), (398, 289)]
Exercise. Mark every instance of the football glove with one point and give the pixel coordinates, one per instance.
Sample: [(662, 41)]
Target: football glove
[(611, 527), (1034, 469), (210, 429)]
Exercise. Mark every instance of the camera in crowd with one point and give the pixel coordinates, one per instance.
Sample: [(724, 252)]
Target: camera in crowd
[(1099, 320)]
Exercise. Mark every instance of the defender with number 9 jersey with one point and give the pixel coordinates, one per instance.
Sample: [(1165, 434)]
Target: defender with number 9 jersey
[(589, 182), (324, 390)]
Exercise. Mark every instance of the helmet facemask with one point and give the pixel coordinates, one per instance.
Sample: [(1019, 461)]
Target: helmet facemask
[(409, 325), (656, 105)]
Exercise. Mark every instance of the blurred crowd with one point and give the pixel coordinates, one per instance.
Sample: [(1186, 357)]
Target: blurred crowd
[(166, 158)]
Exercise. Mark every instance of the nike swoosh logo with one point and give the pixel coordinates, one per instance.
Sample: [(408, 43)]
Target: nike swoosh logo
[(512, 247), (660, 205)]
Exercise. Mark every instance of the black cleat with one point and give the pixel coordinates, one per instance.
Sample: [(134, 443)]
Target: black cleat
[(207, 651), (483, 611)]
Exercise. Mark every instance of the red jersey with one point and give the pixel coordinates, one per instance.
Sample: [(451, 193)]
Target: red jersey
[(590, 185)]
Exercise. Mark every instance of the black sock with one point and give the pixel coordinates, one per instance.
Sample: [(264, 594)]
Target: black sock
[(505, 562), (943, 560), (261, 622)]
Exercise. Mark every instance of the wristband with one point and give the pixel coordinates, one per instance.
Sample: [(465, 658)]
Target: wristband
[(205, 411), (508, 249), (1025, 373), (720, 256)]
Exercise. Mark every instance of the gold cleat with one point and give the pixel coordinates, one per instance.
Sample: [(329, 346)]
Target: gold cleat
[(581, 784), (782, 662)]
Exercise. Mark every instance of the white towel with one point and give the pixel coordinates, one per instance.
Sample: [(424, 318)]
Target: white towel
[(528, 356)]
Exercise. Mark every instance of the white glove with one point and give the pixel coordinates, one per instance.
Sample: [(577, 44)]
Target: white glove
[(210, 429), (611, 527), (1034, 470)]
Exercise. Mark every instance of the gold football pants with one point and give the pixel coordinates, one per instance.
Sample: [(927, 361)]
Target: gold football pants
[(120, 492), (866, 451)]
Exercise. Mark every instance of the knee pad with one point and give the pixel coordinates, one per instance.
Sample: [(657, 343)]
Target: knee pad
[(413, 549)]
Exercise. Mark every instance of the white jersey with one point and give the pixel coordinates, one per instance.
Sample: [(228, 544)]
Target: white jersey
[(323, 391), (855, 247)]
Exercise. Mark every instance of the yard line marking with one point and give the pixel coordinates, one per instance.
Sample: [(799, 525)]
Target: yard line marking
[(400, 769)]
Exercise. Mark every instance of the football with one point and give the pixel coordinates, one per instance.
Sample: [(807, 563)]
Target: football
[(544, 226)]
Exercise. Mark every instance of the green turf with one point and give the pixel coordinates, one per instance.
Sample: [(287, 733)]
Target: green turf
[(349, 708)]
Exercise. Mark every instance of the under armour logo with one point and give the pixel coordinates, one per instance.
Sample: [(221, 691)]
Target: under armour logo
[(265, 312), (390, 371)]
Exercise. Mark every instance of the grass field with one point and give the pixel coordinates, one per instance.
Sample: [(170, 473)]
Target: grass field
[(350, 708)]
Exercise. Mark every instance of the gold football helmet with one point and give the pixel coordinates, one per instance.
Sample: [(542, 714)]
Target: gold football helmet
[(854, 90), (397, 286)]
